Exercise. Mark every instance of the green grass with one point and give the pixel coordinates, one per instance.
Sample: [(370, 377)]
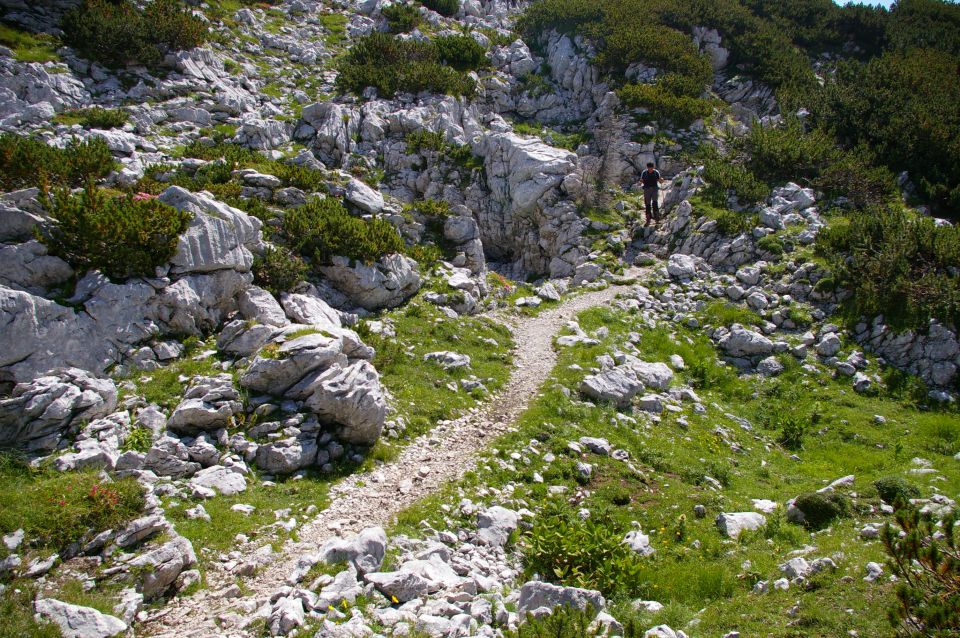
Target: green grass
[(57, 508), (163, 386), (16, 609), (673, 457), (420, 390), (336, 25), (29, 47), (725, 313), (219, 534)]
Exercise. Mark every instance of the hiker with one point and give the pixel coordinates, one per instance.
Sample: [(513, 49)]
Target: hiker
[(651, 191)]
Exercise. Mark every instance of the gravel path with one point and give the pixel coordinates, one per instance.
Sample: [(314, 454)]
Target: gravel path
[(441, 455)]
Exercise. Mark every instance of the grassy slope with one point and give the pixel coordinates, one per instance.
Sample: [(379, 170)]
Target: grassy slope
[(674, 457)]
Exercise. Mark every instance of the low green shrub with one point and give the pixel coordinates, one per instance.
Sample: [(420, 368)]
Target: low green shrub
[(27, 162), (897, 264), (118, 32), (28, 47), (322, 229), (94, 117), (820, 509), (895, 488), (664, 104), (925, 558), (771, 244), (461, 52), (278, 270), (443, 7), (785, 153), (390, 65), (123, 236), (564, 622), (729, 222), (793, 427), (401, 18), (59, 508), (725, 177)]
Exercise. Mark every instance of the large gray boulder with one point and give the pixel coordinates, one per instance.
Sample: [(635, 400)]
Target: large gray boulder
[(351, 398), (158, 569), (223, 480), (169, 457), (40, 415), (365, 551), (27, 266), (280, 366), (75, 621), (536, 595), (495, 525), (256, 304), (733, 524), (617, 385), (742, 342), (287, 455), (363, 197), (385, 284), (208, 405), (218, 237)]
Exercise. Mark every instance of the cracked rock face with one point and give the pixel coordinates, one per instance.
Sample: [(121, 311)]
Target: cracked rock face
[(39, 415)]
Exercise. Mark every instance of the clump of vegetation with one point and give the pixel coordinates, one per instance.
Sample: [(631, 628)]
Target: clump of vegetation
[(424, 140), (28, 161), (278, 270), (897, 264), (566, 550), (894, 488), (118, 33), (121, 236), (401, 18), (443, 7), (390, 65), (139, 439), (59, 508), (322, 229), (94, 117), (729, 221), (820, 509), (461, 52), (564, 622), (926, 560)]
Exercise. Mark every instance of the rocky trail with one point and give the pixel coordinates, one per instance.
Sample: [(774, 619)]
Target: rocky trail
[(373, 499)]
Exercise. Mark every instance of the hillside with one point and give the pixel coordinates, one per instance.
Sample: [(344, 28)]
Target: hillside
[(346, 318)]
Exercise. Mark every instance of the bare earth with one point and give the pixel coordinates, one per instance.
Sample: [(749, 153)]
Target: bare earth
[(360, 501)]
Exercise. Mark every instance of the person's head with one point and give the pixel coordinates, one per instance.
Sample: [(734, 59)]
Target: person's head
[(649, 166)]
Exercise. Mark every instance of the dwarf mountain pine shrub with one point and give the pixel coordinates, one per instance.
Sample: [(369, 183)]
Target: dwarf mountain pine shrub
[(926, 561), (820, 509), (118, 32), (390, 65), (322, 229), (278, 270), (401, 18), (443, 7), (121, 236), (95, 117), (28, 161), (894, 488)]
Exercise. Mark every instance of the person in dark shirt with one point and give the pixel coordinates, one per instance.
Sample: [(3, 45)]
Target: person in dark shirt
[(651, 191)]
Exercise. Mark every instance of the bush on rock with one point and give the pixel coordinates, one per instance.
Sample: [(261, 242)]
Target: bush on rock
[(119, 33), (125, 236), (278, 270), (322, 229), (29, 161), (819, 509)]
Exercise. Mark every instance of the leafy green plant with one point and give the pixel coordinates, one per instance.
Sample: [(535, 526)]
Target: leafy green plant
[(139, 439), (28, 47), (28, 161), (566, 550), (793, 428), (117, 33), (820, 509), (123, 236), (322, 228), (926, 560), (278, 270)]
